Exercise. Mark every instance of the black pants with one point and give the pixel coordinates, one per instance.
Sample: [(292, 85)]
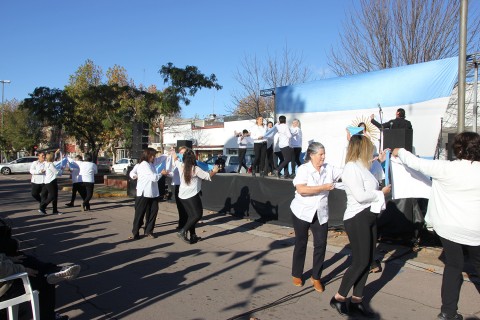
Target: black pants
[(287, 154), (260, 150), (241, 159), (452, 274), (145, 208), (296, 159), (362, 234), (88, 189), (182, 213), (52, 196), (194, 209), (77, 187), (46, 290), (319, 233), (278, 158), (269, 164), (37, 191)]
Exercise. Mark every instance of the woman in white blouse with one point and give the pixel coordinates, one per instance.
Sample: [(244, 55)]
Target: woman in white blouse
[(191, 177), (296, 144), (453, 211), (364, 202), (313, 182), (51, 186)]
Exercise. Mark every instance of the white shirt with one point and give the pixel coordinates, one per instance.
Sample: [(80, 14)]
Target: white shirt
[(305, 207), (87, 171), (361, 188), (134, 174), (243, 142), (284, 135), (74, 169), (37, 171), (276, 147), (453, 208), (256, 132), (296, 139), (187, 191), (51, 172), (147, 180)]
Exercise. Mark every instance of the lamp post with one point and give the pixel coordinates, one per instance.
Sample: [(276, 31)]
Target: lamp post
[(3, 110)]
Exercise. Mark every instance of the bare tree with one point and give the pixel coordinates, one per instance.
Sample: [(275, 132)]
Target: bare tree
[(382, 34), (254, 75)]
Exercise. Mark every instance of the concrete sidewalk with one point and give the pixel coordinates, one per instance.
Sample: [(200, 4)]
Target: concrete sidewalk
[(241, 268)]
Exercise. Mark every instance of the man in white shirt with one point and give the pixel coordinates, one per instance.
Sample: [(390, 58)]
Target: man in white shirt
[(76, 185), (37, 170), (86, 176), (284, 136)]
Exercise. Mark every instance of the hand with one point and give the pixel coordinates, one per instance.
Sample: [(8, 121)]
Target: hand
[(383, 155), (395, 152), (215, 168), (329, 186), (372, 116), (164, 172), (31, 272), (387, 189)]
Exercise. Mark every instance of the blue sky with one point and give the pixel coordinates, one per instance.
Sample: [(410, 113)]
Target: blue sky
[(44, 42)]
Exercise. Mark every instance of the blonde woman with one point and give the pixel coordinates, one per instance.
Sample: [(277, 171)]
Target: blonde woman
[(51, 186)]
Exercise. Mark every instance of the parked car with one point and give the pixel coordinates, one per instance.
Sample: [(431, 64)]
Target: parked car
[(121, 165), (104, 164), (231, 162), (21, 165)]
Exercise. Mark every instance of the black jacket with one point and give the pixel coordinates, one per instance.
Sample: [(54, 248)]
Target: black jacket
[(397, 123)]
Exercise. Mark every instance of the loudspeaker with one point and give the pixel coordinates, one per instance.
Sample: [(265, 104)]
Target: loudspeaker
[(184, 143), (398, 138), (139, 139)]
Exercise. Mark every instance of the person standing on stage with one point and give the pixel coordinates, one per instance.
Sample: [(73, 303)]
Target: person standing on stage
[(146, 204), (51, 185), (284, 136), (243, 141), (269, 164), (191, 177), (76, 185), (86, 176), (364, 202), (296, 144), (398, 123), (453, 211), (259, 146), (37, 170), (313, 182)]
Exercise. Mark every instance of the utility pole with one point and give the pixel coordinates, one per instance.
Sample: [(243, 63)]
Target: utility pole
[(462, 62)]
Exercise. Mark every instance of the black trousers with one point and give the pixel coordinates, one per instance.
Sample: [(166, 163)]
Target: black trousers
[(296, 159), (452, 275), (362, 234), (37, 191), (88, 189), (194, 209), (77, 187), (287, 154), (145, 208), (319, 233), (260, 150), (241, 159), (46, 290), (269, 164), (277, 158), (182, 213), (52, 196)]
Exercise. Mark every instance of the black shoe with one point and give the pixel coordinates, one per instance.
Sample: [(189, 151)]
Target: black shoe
[(341, 306), (360, 309), (292, 176), (183, 235), (194, 238), (42, 211), (375, 267), (444, 316), (69, 205), (262, 174)]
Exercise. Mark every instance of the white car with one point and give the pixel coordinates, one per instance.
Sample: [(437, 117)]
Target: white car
[(21, 165), (121, 165)]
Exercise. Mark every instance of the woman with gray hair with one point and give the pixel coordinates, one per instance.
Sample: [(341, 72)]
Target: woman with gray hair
[(313, 182)]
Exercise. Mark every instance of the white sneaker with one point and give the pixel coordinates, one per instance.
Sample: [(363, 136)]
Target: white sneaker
[(67, 273)]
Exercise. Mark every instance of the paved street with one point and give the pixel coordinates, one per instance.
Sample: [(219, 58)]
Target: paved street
[(240, 270)]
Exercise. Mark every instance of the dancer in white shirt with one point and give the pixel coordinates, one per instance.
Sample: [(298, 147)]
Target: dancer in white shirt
[(243, 141), (37, 170), (296, 145), (51, 186), (86, 176), (191, 177), (453, 211), (284, 136), (313, 183), (259, 146), (364, 202)]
